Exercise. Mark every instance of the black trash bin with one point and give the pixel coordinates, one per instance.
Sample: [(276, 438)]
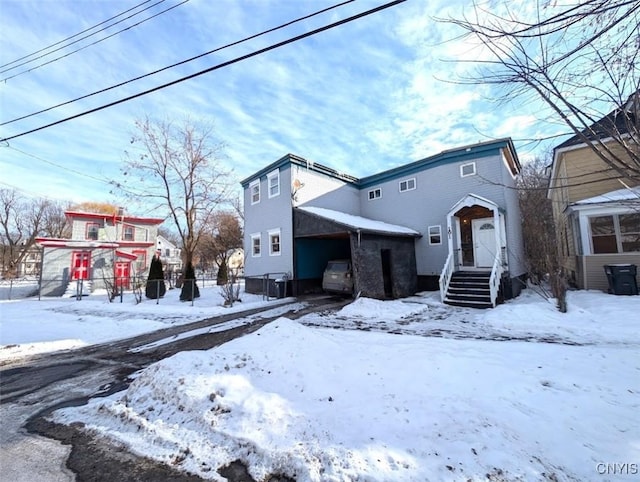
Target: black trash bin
[(280, 287), (622, 278)]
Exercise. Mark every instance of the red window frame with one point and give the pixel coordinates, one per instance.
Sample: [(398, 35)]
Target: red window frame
[(88, 227), (128, 232)]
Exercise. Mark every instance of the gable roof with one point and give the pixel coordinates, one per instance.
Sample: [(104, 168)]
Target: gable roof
[(458, 154), (359, 223)]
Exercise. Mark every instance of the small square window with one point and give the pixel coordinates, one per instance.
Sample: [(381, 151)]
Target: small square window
[(408, 184), (255, 245), (254, 188), (375, 194), (274, 243), (468, 169), (274, 184), (435, 235)]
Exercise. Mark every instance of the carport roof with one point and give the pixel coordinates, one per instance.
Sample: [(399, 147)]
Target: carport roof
[(359, 223)]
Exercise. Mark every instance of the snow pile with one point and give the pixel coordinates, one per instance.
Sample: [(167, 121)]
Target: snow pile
[(317, 404)]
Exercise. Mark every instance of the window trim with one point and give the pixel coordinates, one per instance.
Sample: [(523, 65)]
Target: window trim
[(407, 181), (439, 234), (371, 195), (251, 186), (133, 232), (462, 166), (273, 175), (617, 232), (86, 231), (253, 237), (275, 232)]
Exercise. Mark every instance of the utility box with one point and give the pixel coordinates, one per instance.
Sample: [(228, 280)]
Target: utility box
[(622, 278)]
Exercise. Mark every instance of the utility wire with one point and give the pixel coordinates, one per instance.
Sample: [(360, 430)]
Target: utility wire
[(88, 45), (232, 44), (73, 36)]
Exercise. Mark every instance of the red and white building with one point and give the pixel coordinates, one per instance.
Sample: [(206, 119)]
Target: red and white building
[(103, 248)]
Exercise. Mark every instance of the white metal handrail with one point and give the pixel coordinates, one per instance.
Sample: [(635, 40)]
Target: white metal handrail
[(494, 280), (445, 276)]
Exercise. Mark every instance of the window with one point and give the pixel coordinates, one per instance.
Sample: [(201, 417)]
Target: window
[(128, 232), (255, 245), (408, 184), (375, 194), (141, 260), (92, 231), (435, 235), (274, 183), (468, 169), (618, 233), (167, 252), (274, 242), (254, 188)]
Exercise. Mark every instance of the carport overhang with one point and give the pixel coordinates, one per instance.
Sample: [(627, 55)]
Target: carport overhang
[(322, 234)]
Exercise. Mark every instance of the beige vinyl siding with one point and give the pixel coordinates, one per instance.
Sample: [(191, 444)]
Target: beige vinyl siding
[(594, 276), (588, 175)]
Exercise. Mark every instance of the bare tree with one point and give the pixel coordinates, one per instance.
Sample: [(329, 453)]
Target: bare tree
[(580, 59), (22, 220), (223, 234), (539, 232), (179, 168)]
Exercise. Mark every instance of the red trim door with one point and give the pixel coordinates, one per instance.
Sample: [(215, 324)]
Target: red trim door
[(80, 262), (123, 272)]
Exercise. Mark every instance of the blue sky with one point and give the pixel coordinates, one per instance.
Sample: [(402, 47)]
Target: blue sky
[(361, 98)]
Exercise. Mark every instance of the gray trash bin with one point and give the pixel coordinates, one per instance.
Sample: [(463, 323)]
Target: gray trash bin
[(280, 287), (622, 278)]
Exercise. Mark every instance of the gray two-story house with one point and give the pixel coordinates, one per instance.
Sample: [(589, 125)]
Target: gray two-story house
[(449, 222)]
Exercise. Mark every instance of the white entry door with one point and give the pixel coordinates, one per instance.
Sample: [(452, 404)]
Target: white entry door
[(484, 242)]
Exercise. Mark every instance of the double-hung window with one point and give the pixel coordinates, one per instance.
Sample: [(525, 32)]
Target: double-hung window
[(435, 235), (255, 245), (128, 232), (274, 242), (273, 180), (92, 231), (254, 189)]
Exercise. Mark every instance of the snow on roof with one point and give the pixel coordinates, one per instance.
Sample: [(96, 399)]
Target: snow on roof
[(359, 222), (626, 194)]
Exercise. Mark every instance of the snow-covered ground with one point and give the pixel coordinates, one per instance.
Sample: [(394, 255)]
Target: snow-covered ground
[(31, 326), (398, 390)]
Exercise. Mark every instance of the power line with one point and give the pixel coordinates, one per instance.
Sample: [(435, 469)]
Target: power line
[(73, 36), (232, 44), (88, 45), (211, 69)]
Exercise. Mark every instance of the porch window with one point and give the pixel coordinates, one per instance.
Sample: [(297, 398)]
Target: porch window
[(468, 169), (618, 233), (274, 183), (408, 184), (255, 245), (254, 187), (375, 194), (435, 235), (274, 243), (128, 232)]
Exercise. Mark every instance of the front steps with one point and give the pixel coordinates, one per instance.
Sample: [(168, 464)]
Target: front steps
[(469, 289), (74, 287)]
